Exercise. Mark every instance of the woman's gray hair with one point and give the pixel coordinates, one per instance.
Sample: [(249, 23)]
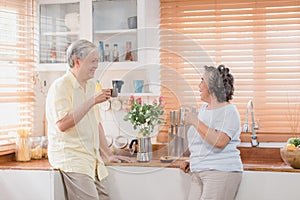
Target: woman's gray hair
[(79, 49), (219, 82)]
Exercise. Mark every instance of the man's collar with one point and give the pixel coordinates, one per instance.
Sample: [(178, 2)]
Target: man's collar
[(73, 79)]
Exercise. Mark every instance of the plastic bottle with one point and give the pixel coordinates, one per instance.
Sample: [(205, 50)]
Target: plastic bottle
[(106, 53), (128, 56), (101, 51), (115, 53)]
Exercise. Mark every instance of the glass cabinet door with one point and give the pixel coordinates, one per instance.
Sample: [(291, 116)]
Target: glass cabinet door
[(59, 26), (115, 26)]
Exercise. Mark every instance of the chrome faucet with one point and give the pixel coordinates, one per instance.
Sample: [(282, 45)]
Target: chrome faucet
[(254, 127)]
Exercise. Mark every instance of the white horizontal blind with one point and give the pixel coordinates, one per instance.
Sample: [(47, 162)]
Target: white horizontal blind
[(258, 40), (16, 64)]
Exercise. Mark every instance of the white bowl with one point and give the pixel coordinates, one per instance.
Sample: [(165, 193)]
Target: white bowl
[(72, 21), (116, 105)]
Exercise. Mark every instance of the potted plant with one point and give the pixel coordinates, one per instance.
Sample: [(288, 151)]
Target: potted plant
[(144, 117)]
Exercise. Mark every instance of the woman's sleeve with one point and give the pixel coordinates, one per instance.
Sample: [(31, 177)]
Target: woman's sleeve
[(229, 123)]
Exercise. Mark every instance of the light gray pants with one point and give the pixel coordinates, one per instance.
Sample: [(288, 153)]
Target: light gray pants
[(214, 185), (83, 187)]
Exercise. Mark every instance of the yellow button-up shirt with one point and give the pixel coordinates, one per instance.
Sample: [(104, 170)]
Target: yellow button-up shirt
[(76, 149)]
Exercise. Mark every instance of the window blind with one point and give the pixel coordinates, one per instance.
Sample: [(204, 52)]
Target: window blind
[(259, 40), (17, 65)]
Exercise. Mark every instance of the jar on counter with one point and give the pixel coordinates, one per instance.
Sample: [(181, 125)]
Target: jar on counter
[(23, 147), (36, 148), (45, 147)]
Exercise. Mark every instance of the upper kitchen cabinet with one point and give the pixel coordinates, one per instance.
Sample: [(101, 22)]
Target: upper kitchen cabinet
[(59, 26), (115, 26), (113, 22), (128, 24)]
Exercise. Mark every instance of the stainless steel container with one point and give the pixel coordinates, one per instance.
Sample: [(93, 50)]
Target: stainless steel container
[(144, 148), (177, 137)]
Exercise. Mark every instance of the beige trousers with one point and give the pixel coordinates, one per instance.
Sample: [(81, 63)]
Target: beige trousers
[(214, 185), (83, 187)]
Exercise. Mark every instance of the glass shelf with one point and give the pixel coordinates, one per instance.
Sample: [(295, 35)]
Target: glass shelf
[(65, 33), (118, 65), (101, 66), (117, 31)]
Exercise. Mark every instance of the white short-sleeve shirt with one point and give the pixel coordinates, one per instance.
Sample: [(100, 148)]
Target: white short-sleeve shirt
[(206, 157), (76, 149)]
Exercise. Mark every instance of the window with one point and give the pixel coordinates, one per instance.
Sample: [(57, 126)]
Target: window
[(259, 40), (17, 66)]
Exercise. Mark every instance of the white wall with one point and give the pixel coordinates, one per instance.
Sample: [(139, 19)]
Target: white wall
[(42, 84)]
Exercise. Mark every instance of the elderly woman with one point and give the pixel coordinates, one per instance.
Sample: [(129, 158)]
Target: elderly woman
[(215, 162)]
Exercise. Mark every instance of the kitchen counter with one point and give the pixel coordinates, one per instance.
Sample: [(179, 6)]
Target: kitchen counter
[(272, 167), (253, 158), (265, 173), (44, 165)]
